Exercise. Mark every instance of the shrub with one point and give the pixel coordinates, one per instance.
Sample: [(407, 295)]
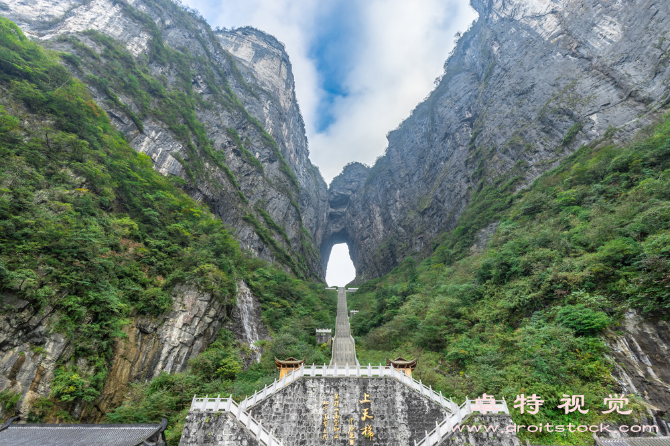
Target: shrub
[(9, 400), (572, 133), (69, 385), (619, 252), (650, 291), (584, 321)]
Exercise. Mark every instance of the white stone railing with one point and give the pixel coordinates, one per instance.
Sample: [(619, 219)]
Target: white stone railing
[(342, 372), (219, 404), (444, 429)]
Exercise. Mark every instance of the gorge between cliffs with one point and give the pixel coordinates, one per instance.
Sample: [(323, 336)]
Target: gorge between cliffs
[(164, 233)]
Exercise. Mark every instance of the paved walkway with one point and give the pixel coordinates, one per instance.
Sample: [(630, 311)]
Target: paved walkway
[(344, 349)]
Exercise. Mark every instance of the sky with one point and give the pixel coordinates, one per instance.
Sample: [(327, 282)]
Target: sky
[(360, 68)]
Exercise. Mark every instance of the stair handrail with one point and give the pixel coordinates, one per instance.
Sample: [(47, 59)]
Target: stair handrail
[(347, 372), (444, 429), (254, 426)]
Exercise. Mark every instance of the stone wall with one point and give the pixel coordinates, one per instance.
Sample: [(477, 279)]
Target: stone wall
[(295, 415), (215, 429), (324, 336), (400, 415), (498, 438)]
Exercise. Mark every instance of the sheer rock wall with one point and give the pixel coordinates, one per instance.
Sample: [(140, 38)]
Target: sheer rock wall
[(257, 69), (517, 82), (641, 353), (152, 346)]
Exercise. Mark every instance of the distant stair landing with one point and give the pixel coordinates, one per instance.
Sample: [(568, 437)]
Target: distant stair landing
[(344, 349)]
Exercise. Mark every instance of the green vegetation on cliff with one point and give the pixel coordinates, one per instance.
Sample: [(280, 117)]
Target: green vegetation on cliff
[(90, 232), (175, 87), (571, 254)]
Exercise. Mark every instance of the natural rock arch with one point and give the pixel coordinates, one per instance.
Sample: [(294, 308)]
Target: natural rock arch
[(340, 191)]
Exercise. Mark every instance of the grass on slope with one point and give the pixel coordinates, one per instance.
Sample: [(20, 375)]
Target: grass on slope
[(586, 242)]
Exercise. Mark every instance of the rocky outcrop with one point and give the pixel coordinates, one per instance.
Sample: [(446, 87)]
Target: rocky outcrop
[(161, 345), (245, 323), (265, 63), (253, 69), (530, 82), (483, 237), (31, 352), (640, 351)]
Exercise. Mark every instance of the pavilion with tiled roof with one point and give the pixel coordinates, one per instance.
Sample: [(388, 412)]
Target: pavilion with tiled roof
[(402, 364), (287, 365)]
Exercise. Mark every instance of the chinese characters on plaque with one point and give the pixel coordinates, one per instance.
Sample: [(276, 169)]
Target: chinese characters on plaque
[(367, 429), (336, 417), (325, 421)]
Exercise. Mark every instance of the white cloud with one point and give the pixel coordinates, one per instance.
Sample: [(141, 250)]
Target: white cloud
[(397, 53), (399, 49)]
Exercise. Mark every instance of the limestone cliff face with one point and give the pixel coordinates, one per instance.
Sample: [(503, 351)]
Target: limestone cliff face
[(254, 69), (152, 346), (640, 350), (526, 73), (264, 62), (271, 183)]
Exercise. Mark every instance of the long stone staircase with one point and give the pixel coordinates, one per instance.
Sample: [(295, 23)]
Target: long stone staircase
[(344, 364), (344, 348)]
